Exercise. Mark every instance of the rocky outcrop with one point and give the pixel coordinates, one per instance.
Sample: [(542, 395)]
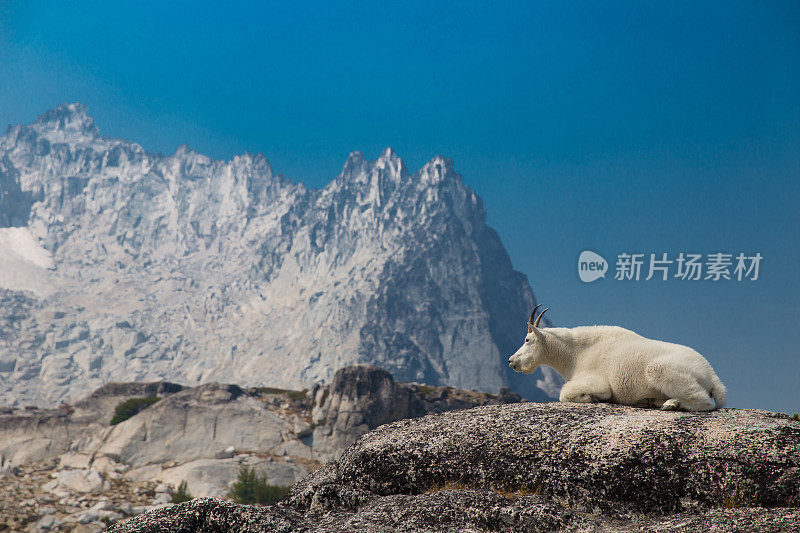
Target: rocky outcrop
[(363, 397), (593, 458), (32, 434), (191, 423), (538, 467), (66, 461), (197, 423), (99, 405)]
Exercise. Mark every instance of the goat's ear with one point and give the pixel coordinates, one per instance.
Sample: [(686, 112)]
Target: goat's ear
[(536, 332)]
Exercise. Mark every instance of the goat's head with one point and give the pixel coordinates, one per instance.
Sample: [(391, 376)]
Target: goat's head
[(529, 356)]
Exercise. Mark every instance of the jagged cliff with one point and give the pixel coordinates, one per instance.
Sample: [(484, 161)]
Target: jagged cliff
[(121, 265)]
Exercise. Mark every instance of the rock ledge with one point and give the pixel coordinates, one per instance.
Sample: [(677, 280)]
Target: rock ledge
[(534, 467)]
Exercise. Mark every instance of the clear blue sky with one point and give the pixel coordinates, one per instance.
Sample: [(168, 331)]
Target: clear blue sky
[(612, 126)]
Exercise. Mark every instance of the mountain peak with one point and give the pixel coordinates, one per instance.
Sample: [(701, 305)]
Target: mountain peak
[(355, 165), (390, 161), (256, 160), (388, 154), (388, 164), (437, 170), (184, 150), (68, 118)]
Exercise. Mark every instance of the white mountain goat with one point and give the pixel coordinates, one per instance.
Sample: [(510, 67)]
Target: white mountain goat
[(613, 364)]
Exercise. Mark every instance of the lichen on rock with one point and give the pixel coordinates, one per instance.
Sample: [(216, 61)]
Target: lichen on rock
[(540, 467)]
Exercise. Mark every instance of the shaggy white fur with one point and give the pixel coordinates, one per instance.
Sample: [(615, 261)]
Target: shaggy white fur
[(613, 364)]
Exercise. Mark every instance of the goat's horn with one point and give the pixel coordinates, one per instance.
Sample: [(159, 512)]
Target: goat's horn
[(536, 324), (533, 315)]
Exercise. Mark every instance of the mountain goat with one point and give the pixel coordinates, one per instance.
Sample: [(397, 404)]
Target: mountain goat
[(613, 364)]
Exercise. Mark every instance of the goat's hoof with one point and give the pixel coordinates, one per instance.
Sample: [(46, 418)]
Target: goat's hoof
[(671, 405)]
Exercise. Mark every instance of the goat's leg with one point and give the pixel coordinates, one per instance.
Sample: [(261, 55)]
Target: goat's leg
[(682, 390), (585, 389)]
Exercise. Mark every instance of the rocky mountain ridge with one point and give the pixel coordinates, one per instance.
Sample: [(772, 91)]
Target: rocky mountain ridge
[(121, 265)]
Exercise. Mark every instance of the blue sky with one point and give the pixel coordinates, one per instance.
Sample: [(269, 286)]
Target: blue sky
[(618, 126)]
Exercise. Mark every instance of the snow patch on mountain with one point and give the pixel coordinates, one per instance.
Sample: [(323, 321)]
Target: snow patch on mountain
[(24, 264)]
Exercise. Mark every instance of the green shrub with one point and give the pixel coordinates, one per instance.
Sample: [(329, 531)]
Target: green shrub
[(130, 407), (796, 417), (182, 494), (251, 487)]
